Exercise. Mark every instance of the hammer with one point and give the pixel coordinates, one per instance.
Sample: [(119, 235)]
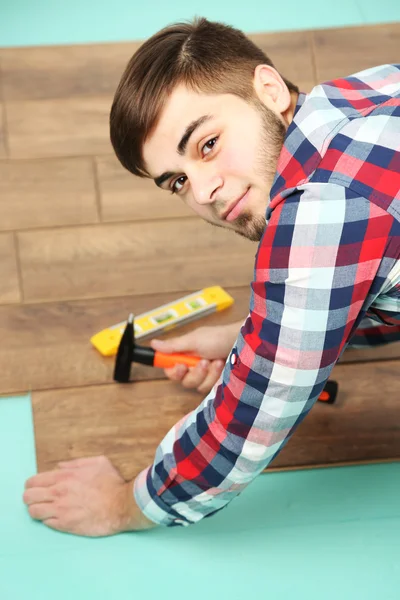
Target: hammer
[(129, 352)]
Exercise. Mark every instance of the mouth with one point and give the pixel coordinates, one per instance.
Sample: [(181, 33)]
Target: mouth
[(234, 210)]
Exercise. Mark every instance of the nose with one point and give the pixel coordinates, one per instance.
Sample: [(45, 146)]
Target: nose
[(205, 186)]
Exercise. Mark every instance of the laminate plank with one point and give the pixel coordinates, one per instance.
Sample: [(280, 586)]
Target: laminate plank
[(85, 70), (126, 197), (46, 346), (53, 128), (2, 114), (3, 152), (9, 285), (85, 276), (45, 193), (127, 422), (132, 258), (54, 72), (342, 52), (362, 426), (385, 352)]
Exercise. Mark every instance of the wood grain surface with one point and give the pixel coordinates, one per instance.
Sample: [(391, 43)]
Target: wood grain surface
[(83, 243), (126, 422)]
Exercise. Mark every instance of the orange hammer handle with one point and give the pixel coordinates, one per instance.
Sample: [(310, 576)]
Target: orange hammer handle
[(166, 361)]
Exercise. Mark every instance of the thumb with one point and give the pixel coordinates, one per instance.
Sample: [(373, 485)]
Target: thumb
[(176, 344)]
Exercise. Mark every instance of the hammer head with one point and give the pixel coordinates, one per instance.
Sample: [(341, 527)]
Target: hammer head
[(125, 353)]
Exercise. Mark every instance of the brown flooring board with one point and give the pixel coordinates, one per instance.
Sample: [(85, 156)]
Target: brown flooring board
[(291, 54), (79, 276), (85, 70), (126, 197), (54, 72), (46, 346), (9, 284), (132, 258), (124, 422), (45, 193), (127, 422), (363, 425), (2, 116), (2, 132), (341, 52), (61, 127), (388, 351)]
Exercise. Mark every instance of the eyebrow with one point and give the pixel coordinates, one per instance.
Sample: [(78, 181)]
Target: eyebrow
[(181, 147)]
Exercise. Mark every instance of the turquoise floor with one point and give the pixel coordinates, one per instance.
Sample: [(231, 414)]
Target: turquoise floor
[(324, 534), (41, 22)]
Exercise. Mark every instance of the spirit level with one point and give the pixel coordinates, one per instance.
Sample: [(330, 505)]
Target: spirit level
[(165, 317)]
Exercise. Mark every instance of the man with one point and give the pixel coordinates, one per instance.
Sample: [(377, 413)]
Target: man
[(315, 179)]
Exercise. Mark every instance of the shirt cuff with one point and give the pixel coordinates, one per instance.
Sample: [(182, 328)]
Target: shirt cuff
[(151, 504)]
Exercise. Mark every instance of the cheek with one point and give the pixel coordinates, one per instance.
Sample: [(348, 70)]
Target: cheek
[(237, 161)]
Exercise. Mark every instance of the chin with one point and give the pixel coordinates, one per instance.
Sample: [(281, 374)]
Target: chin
[(251, 227)]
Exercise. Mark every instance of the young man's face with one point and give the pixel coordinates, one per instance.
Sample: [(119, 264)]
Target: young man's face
[(231, 153)]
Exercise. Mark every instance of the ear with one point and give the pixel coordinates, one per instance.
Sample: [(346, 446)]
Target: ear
[(271, 89)]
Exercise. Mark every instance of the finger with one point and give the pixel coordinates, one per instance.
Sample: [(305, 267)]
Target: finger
[(214, 373), (43, 510), (43, 479), (35, 495), (55, 523), (176, 372), (181, 343), (196, 375)]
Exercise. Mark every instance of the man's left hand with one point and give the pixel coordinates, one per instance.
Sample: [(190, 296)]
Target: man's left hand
[(86, 497)]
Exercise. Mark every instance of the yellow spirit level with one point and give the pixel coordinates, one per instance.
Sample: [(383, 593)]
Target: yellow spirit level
[(166, 317)]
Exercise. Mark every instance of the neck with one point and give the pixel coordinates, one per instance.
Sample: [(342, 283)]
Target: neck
[(291, 110)]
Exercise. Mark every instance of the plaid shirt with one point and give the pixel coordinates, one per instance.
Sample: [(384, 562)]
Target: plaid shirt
[(326, 275)]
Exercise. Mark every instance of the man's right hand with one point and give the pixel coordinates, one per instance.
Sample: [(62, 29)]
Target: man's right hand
[(212, 343)]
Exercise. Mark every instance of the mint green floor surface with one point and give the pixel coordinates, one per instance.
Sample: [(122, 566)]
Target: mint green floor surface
[(42, 22), (322, 534)]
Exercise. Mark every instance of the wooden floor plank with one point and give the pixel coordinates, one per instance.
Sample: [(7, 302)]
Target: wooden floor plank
[(127, 422), (54, 72), (341, 52), (46, 346), (126, 197), (9, 284), (132, 258), (2, 116), (45, 193), (2, 133), (66, 127), (86, 70), (80, 275), (385, 352), (291, 54), (363, 425)]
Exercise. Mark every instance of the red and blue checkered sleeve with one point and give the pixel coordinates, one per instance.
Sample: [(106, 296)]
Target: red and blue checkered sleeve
[(314, 270)]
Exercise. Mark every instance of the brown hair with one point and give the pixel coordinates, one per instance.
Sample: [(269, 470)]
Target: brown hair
[(206, 56)]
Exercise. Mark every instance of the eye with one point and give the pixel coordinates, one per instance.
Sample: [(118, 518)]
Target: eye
[(209, 145), (179, 180)]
